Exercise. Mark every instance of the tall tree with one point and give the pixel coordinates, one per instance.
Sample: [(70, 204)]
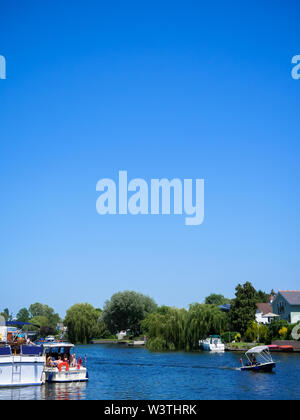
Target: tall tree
[(38, 309), (84, 323), (243, 307), (126, 310)]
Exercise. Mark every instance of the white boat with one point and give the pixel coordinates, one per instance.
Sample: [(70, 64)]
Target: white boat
[(58, 370), (213, 344), (20, 364)]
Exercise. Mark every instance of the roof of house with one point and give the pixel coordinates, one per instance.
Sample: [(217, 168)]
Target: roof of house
[(264, 308), (292, 296)]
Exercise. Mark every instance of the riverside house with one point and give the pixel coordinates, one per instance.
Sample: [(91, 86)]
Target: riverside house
[(264, 313), (287, 305)]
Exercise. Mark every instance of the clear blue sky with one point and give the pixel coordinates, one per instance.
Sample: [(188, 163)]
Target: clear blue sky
[(161, 89)]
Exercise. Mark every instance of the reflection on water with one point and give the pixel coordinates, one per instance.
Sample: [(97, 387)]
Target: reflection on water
[(65, 391), (118, 372), (21, 393)]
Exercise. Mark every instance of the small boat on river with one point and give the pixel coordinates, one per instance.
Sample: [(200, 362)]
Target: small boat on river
[(61, 364), (258, 359)]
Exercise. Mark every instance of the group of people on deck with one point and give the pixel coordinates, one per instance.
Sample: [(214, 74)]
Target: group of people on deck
[(72, 362)]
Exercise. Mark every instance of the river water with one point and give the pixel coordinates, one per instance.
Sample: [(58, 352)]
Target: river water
[(118, 372)]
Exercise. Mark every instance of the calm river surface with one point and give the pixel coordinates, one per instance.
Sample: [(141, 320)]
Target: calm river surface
[(118, 372)]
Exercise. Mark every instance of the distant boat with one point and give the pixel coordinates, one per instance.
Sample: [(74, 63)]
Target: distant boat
[(258, 359), (213, 344)]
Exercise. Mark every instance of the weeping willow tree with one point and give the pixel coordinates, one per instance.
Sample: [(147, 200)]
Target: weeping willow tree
[(165, 329), (202, 321), (84, 323), (179, 329)]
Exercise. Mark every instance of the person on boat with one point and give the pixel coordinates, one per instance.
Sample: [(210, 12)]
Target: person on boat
[(254, 361), (20, 338), (50, 362), (57, 362), (30, 343), (73, 361)]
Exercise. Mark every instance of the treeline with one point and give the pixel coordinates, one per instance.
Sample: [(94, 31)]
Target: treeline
[(42, 317), (166, 328)]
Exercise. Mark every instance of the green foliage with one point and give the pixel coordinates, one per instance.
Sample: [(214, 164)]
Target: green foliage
[(229, 337), (6, 315), (84, 323), (38, 322), (45, 331), (126, 310), (179, 329), (256, 333), (23, 315), (243, 308), (215, 299), (274, 329), (262, 297), (38, 309)]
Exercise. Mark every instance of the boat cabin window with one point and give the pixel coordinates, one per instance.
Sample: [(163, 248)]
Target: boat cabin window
[(55, 352)]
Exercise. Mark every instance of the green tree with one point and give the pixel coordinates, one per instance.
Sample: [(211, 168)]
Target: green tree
[(7, 315), (126, 310), (179, 329), (38, 309), (215, 299), (84, 323), (262, 297), (243, 308), (23, 315), (257, 333), (202, 321)]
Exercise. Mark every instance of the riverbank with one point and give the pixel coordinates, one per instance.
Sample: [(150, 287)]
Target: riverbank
[(128, 343)]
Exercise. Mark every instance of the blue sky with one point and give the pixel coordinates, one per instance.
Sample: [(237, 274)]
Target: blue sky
[(160, 89)]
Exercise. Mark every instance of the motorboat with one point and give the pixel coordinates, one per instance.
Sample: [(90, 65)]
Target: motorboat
[(21, 362), (60, 365), (258, 359), (213, 344)]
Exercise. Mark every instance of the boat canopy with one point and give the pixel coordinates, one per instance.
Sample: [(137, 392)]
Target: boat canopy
[(258, 350), (57, 345)]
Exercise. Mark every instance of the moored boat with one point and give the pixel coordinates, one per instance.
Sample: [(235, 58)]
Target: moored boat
[(61, 364), (258, 359), (21, 364), (213, 344)]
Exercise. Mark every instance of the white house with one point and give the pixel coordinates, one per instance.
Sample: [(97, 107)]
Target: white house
[(264, 314)]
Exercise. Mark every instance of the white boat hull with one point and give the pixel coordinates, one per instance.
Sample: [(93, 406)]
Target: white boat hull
[(215, 348), (72, 375), (21, 370)]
